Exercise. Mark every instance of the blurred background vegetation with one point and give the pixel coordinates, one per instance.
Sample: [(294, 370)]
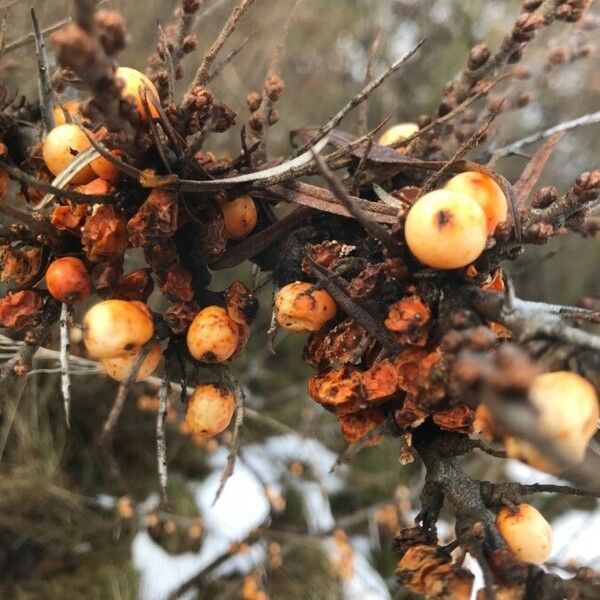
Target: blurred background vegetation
[(56, 539)]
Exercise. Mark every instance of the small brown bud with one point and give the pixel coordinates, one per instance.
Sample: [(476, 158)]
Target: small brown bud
[(531, 5), (478, 56), (544, 197), (189, 44), (254, 100), (256, 121), (523, 99), (274, 87)]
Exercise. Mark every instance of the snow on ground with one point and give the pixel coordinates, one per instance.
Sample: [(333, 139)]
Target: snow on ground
[(243, 506)]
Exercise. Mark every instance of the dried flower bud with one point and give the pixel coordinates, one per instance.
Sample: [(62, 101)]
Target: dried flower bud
[(256, 121), (274, 87), (544, 197), (222, 117), (105, 276), (254, 100), (531, 5), (189, 43), (478, 56), (112, 30)]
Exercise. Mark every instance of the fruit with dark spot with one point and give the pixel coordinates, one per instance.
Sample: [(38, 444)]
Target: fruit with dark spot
[(301, 309), (239, 215), (116, 327), (213, 336), (446, 230), (68, 280)]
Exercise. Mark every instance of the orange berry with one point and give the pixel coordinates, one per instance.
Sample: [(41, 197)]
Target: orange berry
[(300, 310), (526, 533), (119, 367), (446, 230), (116, 327), (398, 133), (68, 280), (239, 215), (134, 84), (71, 107), (60, 148), (568, 413), (212, 336), (210, 409), (486, 192), (105, 169)]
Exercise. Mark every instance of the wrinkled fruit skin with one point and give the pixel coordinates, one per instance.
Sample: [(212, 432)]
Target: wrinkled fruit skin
[(119, 367), (61, 147), (568, 414), (301, 311), (212, 336), (116, 327), (486, 192), (526, 533), (134, 84), (209, 410), (68, 280), (446, 230), (239, 215), (398, 133)]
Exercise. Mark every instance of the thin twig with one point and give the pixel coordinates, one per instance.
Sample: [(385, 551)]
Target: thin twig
[(459, 155), (65, 373), (119, 403), (363, 109), (371, 226), (228, 58), (161, 439), (358, 99), (30, 37), (44, 86), (514, 147), (234, 386), (230, 26)]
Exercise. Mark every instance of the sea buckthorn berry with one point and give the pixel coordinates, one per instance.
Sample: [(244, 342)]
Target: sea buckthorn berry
[(239, 216), (486, 192), (568, 413), (119, 367), (134, 85), (105, 169), (212, 336), (396, 134), (60, 148), (116, 327), (446, 230), (71, 107), (301, 310), (68, 280), (209, 410), (526, 533)]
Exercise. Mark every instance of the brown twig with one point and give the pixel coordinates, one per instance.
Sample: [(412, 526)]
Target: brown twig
[(371, 226), (44, 87), (358, 99), (234, 386), (125, 385), (230, 26), (161, 439)]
